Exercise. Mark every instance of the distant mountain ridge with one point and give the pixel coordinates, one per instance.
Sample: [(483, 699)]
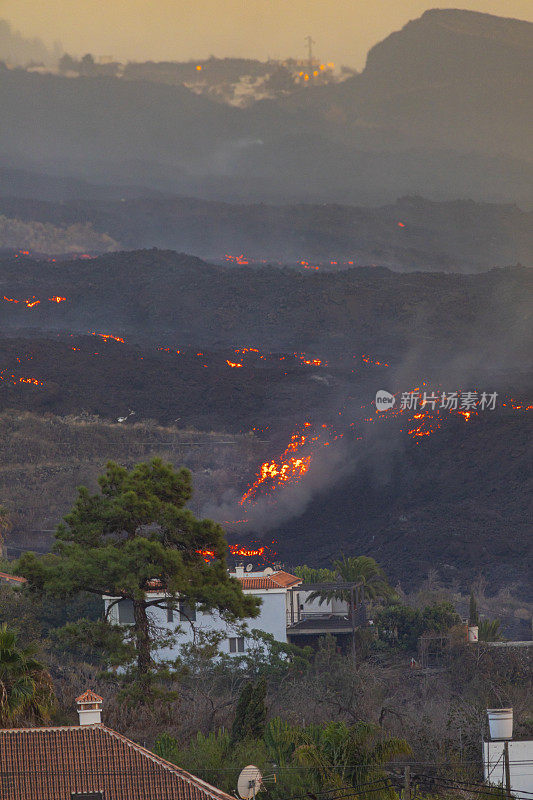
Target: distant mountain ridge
[(442, 109), (449, 79)]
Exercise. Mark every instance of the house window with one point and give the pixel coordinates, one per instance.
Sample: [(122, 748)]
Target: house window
[(125, 612), (187, 614), (236, 644), (170, 615)]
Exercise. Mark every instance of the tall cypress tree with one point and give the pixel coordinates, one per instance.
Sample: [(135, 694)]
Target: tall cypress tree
[(473, 616), (250, 714)]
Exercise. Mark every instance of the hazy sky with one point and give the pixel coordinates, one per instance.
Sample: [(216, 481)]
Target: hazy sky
[(344, 30)]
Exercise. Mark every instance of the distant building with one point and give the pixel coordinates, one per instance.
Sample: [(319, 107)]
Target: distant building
[(92, 762)]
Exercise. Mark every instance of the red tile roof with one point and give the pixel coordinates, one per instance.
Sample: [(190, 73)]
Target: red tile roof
[(276, 580), (258, 583), (285, 578), (50, 763), (89, 697)]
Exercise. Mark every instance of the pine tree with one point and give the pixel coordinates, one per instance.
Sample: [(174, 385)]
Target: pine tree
[(134, 531)]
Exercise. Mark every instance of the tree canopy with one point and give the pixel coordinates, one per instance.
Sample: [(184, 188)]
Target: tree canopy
[(25, 685), (134, 531)]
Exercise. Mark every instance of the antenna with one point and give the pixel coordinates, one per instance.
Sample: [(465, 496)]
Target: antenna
[(249, 782)]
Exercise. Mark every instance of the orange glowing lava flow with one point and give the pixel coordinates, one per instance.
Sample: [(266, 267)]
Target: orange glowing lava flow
[(235, 550), (31, 302), (233, 364), (107, 336), (285, 469)]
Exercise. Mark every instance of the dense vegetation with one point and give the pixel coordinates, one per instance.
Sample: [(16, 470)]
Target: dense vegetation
[(360, 721)]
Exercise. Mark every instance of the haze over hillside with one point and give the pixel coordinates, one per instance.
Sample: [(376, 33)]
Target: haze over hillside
[(440, 109), (411, 234), (266, 352), (17, 50)]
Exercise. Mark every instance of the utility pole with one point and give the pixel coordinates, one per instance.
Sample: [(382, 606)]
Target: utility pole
[(507, 769), (352, 618), (406, 794), (310, 43)]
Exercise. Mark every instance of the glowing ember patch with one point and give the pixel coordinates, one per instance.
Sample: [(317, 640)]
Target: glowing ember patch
[(316, 362), (31, 303), (233, 364), (57, 299), (10, 299), (401, 225), (369, 360), (34, 381), (237, 550), (241, 259)]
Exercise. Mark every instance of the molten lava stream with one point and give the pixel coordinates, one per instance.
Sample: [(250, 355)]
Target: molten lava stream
[(286, 468)]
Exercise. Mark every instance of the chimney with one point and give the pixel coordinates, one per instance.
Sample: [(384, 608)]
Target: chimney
[(89, 708), (239, 570)]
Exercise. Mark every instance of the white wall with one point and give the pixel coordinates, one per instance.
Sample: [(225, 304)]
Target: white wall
[(520, 764), (271, 619)]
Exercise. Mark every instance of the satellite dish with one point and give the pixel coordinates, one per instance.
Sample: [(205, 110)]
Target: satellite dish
[(249, 567), (249, 782)]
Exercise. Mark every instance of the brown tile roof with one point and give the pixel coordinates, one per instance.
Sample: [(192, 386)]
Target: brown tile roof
[(50, 763)]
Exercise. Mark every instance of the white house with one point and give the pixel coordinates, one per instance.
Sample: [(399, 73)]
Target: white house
[(287, 612), (269, 585)]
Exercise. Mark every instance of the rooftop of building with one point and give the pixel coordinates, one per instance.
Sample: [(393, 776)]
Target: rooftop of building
[(52, 763)]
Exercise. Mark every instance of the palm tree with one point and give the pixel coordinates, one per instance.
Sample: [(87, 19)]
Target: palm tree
[(26, 691), (351, 756), (358, 569)]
